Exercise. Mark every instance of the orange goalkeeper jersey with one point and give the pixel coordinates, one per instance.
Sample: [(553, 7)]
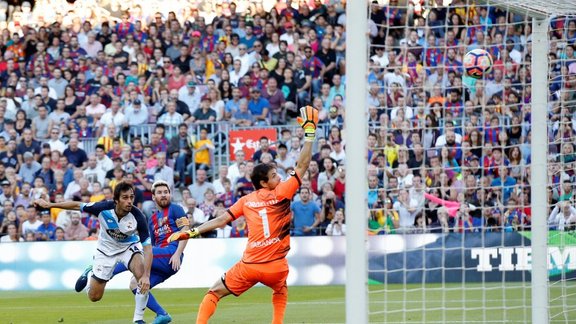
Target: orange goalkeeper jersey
[(268, 217)]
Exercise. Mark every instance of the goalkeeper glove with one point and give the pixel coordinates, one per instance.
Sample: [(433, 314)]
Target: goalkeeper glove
[(308, 120), (180, 236)]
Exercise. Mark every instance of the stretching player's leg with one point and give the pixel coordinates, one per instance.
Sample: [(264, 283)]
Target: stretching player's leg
[(82, 281), (101, 273), (162, 315), (161, 270), (210, 301), (136, 266), (96, 288), (236, 281), (274, 275), (279, 301)]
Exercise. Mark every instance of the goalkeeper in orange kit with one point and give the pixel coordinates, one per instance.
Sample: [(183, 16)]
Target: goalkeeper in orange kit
[(268, 215)]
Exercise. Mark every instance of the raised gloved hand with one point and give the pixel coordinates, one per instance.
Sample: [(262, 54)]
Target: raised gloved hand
[(308, 120)]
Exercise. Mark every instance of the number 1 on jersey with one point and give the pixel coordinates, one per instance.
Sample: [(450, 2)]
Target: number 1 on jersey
[(265, 226)]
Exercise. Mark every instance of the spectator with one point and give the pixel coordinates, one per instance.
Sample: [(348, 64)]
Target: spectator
[(136, 114), (218, 184), (29, 168), (283, 161), (102, 160), (163, 171), (563, 216), (259, 107), (73, 186), (239, 228), (54, 141), (205, 114), (199, 187), (195, 215), (276, 101), (264, 148), (203, 149), (504, 181), (242, 116), (75, 231), (31, 225), (40, 124), (47, 230), (75, 155), (406, 208), (113, 116), (46, 173), (12, 235), (329, 174), (28, 144), (243, 185), (306, 215), (93, 173), (181, 148), (337, 227), (234, 169)]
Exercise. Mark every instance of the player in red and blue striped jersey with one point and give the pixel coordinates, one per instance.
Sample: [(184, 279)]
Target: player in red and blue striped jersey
[(167, 219)]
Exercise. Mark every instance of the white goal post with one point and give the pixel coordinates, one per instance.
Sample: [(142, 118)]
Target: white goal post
[(357, 53)]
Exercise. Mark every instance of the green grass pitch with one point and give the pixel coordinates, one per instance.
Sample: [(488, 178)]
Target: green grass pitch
[(451, 303)]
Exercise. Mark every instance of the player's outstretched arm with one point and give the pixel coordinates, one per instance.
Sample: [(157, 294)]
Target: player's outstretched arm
[(210, 225), (69, 205), (308, 120)]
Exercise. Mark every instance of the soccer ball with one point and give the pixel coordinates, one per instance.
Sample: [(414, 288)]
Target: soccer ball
[(477, 63)]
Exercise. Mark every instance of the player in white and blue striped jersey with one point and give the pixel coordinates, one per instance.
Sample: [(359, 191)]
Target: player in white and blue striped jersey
[(124, 238)]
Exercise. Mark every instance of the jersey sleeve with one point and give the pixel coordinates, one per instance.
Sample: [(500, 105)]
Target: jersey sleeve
[(179, 216), (237, 210), (316, 208), (141, 226), (288, 188), (95, 208)]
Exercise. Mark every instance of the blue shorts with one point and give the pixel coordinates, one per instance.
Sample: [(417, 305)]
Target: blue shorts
[(161, 267)]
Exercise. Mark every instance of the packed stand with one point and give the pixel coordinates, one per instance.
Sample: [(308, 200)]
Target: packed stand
[(93, 94), (151, 83), (449, 153)]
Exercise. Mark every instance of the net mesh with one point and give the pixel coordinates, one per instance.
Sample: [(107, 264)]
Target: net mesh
[(450, 162)]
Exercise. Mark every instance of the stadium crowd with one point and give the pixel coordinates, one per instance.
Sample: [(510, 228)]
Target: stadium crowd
[(446, 153)]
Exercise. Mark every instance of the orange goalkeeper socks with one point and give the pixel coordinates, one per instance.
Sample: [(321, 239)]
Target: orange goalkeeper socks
[(207, 308), (279, 300)]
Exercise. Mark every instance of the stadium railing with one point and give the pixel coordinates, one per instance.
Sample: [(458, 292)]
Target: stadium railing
[(218, 133)]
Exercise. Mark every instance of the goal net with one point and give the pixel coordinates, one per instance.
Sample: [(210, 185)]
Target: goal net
[(472, 211)]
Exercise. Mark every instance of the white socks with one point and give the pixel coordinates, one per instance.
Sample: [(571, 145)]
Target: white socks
[(141, 301)]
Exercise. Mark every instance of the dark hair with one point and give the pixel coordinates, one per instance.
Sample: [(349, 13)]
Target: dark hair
[(121, 187), (100, 146), (282, 145), (260, 173)]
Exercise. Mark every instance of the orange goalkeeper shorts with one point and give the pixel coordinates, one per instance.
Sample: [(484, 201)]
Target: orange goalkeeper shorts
[(243, 276)]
